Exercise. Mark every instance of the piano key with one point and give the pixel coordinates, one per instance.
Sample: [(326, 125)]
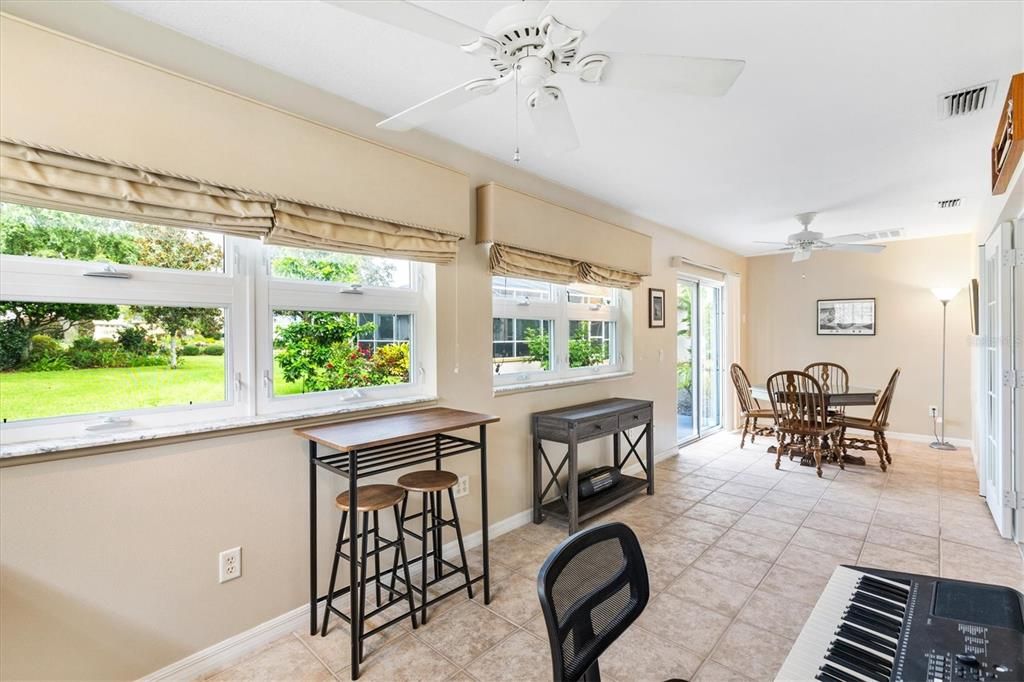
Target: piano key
[(877, 583), (839, 674), (852, 640), (883, 620), (877, 604), (863, 656), (871, 625), (868, 639), (854, 665)]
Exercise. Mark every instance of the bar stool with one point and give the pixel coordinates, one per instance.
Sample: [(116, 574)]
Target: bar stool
[(371, 498), (432, 483)]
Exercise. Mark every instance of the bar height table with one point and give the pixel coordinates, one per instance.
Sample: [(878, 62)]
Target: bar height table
[(376, 445)]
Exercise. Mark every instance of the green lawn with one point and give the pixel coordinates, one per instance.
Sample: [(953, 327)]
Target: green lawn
[(200, 379)]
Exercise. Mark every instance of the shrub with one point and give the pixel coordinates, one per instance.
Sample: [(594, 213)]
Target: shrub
[(85, 344), (106, 342), (214, 349), (44, 346), (191, 349), (48, 363), (391, 364), (135, 340), (13, 342)]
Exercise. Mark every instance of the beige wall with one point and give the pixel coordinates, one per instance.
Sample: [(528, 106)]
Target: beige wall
[(108, 563), (781, 330)]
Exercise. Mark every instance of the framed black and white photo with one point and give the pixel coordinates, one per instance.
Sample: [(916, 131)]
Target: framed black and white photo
[(656, 307), (846, 317)]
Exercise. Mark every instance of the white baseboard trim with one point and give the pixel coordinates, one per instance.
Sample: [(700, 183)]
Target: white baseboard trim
[(232, 650), (964, 443)]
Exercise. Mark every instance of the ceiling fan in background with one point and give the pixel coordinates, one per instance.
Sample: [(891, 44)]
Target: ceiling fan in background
[(803, 242), (531, 43)]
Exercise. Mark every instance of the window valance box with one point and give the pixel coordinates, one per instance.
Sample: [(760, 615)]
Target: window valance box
[(67, 95), (58, 179), (540, 240)]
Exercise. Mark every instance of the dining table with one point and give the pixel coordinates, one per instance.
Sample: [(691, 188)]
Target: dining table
[(851, 396)]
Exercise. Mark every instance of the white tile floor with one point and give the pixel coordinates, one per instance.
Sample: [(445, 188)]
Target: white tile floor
[(737, 553)]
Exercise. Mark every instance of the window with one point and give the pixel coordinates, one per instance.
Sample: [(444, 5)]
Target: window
[(543, 331), (109, 324)]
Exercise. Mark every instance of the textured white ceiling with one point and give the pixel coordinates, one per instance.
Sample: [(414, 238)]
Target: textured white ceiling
[(835, 112)]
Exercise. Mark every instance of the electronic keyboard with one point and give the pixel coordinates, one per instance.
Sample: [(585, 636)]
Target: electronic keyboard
[(872, 625)]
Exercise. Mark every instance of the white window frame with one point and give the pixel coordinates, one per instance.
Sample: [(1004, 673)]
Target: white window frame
[(276, 293), (561, 312), (248, 293), (28, 278)]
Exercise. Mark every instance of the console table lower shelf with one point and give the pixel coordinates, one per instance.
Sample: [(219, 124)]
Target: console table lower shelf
[(597, 503)]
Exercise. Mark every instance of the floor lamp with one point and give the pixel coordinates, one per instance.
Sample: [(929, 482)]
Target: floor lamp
[(945, 295)]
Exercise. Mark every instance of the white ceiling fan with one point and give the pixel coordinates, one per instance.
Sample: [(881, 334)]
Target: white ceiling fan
[(803, 242), (534, 42)]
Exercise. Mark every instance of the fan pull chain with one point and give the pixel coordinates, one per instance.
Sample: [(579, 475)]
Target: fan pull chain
[(515, 112)]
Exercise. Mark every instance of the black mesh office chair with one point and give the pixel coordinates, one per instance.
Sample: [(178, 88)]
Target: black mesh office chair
[(591, 588)]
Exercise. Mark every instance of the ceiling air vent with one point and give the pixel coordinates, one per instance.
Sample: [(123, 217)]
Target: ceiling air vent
[(966, 100), (881, 235), (949, 203)]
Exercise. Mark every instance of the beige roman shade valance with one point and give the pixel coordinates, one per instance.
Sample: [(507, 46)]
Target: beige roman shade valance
[(54, 179), (58, 179), (533, 238), (320, 228)]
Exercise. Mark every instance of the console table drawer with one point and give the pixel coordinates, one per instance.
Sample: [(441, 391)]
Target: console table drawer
[(628, 420), (597, 428)]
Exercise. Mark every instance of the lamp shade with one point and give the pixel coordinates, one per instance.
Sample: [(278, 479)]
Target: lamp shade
[(945, 294)]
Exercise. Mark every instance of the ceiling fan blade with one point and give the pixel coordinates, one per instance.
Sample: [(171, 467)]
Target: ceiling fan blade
[(552, 120), (846, 238), (583, 16), (413, 18), (687, 75), (862, 248), (417, 115), (801, 255)]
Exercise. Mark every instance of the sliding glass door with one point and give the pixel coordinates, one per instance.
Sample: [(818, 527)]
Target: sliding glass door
[(698, 358)]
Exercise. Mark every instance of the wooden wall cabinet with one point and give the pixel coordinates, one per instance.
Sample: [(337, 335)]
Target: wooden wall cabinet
[(1009, 141)]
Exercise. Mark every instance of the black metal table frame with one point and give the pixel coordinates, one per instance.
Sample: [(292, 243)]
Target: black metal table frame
[(378, 460)]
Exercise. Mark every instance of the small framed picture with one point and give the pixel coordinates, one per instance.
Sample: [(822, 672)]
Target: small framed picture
[(846, 317), (656, 307)]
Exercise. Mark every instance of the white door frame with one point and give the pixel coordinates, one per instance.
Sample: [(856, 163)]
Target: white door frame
[(997, 476), (1017, 392)]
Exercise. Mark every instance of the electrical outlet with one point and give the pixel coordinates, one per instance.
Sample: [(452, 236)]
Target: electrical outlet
[(230, 566), (933, 411), (462, 487)]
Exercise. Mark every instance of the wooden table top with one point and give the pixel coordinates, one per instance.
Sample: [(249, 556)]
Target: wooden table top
[(358, 434), (853, 395), (588, 410)]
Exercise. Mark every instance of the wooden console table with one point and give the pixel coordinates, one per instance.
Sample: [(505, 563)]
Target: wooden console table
[(580, 423), (375, 445)]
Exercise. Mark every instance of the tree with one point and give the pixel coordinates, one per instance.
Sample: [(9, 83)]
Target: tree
[(327, 266), (175, 321), (25, 319), (582, 351)]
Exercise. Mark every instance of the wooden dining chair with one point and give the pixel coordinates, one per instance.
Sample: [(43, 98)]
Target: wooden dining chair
[(798, 403), (750, 407), (832, 377), (876, 425)]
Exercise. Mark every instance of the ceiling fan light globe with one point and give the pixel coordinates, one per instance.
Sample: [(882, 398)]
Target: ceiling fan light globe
[(532, 71)]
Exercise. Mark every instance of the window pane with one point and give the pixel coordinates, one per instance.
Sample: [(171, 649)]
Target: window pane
[(72, 358), (318, 351), (591, 294), (521, 345), (330, 266), (45, 233), (516, 288), (591, 342)]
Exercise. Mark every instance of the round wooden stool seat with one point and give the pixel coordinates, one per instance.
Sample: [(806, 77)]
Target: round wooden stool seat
[(373, 497), (428, 481)]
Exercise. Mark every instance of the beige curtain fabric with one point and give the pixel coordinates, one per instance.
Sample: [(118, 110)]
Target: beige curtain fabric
[(509, 260), (57, 180), (608, 277), (312, 227)]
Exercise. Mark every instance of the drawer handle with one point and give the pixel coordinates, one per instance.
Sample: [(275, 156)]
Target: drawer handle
[(636, 417), (597, 426)]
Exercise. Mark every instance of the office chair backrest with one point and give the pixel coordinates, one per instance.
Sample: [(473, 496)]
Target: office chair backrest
[(591, 588)]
